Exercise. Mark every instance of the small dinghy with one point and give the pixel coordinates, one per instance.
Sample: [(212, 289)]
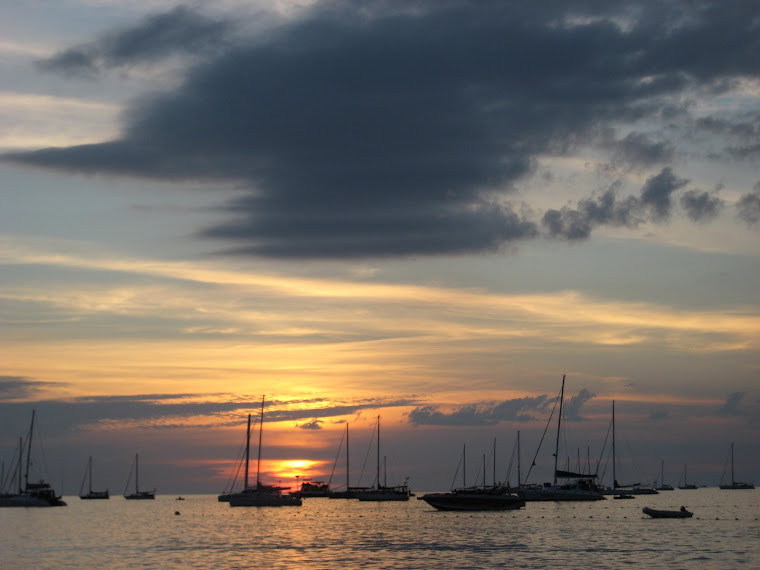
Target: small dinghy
[(658, 514)]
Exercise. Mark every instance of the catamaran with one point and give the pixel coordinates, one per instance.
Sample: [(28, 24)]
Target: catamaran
[(577, 486), (39, 494)]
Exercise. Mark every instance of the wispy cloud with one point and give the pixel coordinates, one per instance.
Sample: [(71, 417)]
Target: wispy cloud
[(181, 30), (487, 413)]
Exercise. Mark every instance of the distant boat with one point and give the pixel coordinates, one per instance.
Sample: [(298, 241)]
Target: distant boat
[(88, 478), (663, 486), (260, 495), (383, 492), (485, 498), (623, 491), (313, 489), (578, 486), (682, 513), (138, 494), (686, 486), (734, 484), (39, 494), (349, 492)]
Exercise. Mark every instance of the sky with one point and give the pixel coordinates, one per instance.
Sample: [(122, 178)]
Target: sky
[(423, 211)]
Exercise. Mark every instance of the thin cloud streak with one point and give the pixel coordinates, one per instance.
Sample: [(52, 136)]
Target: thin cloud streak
[(585, 319)]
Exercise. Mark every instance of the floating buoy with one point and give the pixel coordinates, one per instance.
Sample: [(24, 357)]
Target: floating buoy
[(176, 512)]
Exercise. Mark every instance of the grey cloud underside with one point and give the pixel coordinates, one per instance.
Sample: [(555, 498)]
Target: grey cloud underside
[(748, 208), (159, 35), (405, 134), (519, 409), (169, 411)]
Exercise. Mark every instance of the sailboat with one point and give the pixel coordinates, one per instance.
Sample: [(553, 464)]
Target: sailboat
[(224, 497), (39, 494), (623, 491), (260, 495), (686, 486), (349, 492), (476, 498), (734, 484), (663, 486), (383, 492), (90, 493), (578, 486), (138, 494)]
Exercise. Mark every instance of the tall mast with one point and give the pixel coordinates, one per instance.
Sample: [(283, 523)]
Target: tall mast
[(484, 470), (137, 475), (559, 423), (247, 450), (90, 470), (378, 451), (464, 466), (518, 458), (261, 429), (347, 471), (29, 452), (614, 475), (20, 455), (494, 462), (732, 462)]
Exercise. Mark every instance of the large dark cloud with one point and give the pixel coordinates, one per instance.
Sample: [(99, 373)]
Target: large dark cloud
[(400, 132)]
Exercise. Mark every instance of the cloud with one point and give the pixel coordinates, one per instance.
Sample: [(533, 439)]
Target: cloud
[(731, 406), (366, 131), (20, 387), (519, 409), (170, 411), (181, 30), (701, 206), (657, 191), (311, 425), (638, 149), (572, 406), (748, 207), (653, 204)]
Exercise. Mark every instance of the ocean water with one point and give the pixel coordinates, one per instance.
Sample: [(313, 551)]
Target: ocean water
[(323, 533)]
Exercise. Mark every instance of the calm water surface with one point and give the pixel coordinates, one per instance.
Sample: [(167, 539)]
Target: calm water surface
[(323, 533)]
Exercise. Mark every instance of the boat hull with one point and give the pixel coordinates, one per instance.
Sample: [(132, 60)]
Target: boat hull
[(661, 514), (473, 502), (96, 495), (31, 499), (737, 486), (141, 496), (262, 499), (559, 494), (385, 494)]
